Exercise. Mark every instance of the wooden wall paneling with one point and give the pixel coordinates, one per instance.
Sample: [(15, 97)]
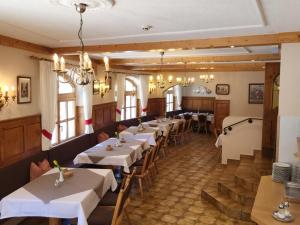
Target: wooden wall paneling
[(157, 106), (104, 114), (198, 103), (270, 114), (222, 110), (19, 138)]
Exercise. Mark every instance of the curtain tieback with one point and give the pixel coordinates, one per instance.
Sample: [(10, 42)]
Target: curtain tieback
[(118, 111), (145, 110), (46, 134), (88, 122)]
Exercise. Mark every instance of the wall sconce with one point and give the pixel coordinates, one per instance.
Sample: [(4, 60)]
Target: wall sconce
[(207, 78), (4, 98), (100, 88), (103, 88)]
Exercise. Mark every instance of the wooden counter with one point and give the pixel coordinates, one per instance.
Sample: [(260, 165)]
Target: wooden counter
[(269, 195)]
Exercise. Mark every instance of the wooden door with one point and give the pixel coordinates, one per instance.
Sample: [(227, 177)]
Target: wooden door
[(270, 111), (222, 110)]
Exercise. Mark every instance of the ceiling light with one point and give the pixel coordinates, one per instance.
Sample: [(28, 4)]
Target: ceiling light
[(232, 46), (82, 74), (91, 4), (147, 27), (253, 60), (211, 68), (192, 62), (172, 49)]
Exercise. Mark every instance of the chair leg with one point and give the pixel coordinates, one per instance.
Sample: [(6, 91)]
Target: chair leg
[(141, 187)]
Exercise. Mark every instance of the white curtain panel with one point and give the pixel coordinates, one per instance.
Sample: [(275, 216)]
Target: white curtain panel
[(143, 91), (178, 94), (87, 99), (120, 94), (48, 98)]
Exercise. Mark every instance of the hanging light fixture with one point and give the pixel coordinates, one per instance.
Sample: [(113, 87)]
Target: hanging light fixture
[(160, 79), (187, 81), (84, 73), (152, 85), (207, 78)]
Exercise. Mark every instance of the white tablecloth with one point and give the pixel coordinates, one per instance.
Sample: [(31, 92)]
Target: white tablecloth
[(149, 133), (77, 202), (124, 155), (163, 125)]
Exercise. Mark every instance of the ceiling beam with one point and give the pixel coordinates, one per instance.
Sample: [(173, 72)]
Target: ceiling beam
[(203, 68), (198, 59), (224, 42), (24, 45)]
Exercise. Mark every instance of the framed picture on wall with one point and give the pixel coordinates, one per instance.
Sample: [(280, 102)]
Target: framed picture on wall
[(23, 90), (256, 93), (222, 89)]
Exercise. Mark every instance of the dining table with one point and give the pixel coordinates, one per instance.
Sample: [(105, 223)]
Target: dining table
[(76, 197), (114, 152), (150, 134)]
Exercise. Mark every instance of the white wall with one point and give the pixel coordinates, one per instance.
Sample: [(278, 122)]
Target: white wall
[(238, 96), (289, 109), (242, 140), (13, 63)]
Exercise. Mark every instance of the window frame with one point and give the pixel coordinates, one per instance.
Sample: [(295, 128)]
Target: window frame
[(170, 91), (66, 97), (131, 94)]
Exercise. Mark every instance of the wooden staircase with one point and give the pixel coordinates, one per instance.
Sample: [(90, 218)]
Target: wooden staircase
[(233, 187)]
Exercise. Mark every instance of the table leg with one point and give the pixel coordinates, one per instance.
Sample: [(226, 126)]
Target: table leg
[(54, 221)]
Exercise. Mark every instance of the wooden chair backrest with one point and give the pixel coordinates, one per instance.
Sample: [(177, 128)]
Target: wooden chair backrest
[(188, 124), (181, 130), (122, 198), (201, 118), (146, 161)]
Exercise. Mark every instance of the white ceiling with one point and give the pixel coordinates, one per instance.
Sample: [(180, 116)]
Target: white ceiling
[(42, 22)]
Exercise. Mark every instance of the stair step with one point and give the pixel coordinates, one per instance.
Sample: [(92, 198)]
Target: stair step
[(249, 183), (226, 205), (237, 193)]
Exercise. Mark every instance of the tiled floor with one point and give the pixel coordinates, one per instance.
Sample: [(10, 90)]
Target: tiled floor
[(175, 196)]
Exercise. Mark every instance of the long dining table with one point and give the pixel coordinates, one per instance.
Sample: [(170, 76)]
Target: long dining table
[(149, 134), (163, 124), (76, 197), (122, 154)]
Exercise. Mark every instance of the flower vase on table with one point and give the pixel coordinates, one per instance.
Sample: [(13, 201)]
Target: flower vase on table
[(118, 143), (61, 174)]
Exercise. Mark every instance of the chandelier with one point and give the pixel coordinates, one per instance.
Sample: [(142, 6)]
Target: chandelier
[(84, 73), (159, 78), (185, 81), (207, 78)]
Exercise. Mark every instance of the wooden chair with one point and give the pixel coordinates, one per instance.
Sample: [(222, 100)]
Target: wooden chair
[(153, 169), (176, 134), (202, 123), (188, 128), (102, 137), (142, 172), (112, 215)]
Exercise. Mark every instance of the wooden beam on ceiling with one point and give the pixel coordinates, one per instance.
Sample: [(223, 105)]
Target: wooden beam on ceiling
[(24, 45), (204, 68), (224, 42), (198, 59)]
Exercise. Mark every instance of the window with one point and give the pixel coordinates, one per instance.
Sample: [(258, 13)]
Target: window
[(170, 100), (130, 102), (65, 123)]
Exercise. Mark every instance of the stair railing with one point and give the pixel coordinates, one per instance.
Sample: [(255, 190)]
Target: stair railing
[(229, 128)]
